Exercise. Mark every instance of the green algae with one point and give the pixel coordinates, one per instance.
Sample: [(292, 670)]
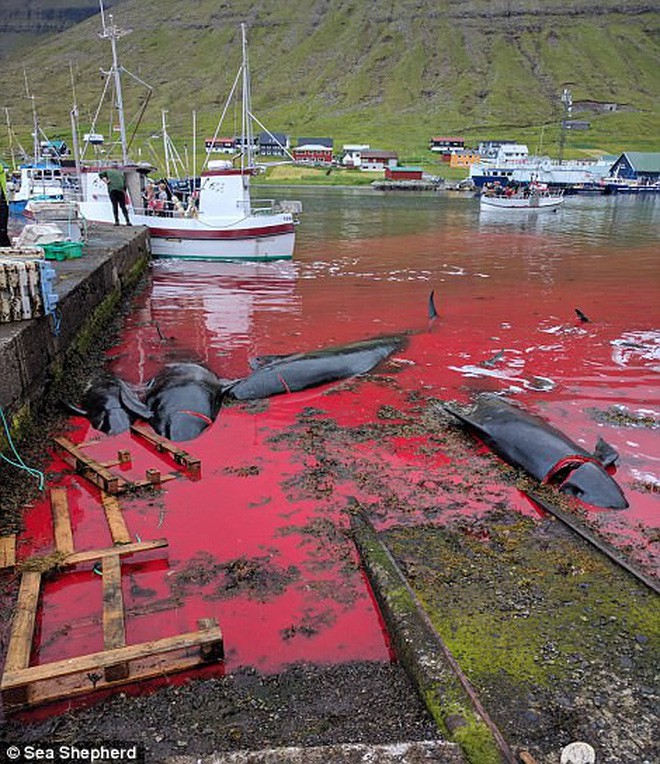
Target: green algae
[(521, 606), (420, 650)]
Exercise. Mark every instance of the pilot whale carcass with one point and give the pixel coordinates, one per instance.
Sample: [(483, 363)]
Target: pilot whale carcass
[(298, 371), (184, 399), (111, 405), (529, 442)]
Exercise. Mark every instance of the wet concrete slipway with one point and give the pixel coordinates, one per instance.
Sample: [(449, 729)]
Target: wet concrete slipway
[(444, 633)]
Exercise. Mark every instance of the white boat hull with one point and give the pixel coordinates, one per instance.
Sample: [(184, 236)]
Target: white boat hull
[(255, 237), (521, 203)]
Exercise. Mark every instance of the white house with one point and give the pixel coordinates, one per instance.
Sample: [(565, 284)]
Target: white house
[(352, 154), (512, 152), (377, 159)]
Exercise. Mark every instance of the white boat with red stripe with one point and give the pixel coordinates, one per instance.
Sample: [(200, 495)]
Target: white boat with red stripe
[(219, 220)]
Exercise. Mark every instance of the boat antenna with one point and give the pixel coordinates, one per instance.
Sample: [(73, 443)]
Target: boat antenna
[(113, 33)]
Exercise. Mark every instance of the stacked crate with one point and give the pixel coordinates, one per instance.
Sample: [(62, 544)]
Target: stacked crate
[(26, 286)]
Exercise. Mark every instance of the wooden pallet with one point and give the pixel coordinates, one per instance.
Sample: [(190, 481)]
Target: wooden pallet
[(100, 474), (191, 463), (23, 685)]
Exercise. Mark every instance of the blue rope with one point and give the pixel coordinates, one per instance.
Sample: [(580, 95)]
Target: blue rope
[(20, 463)]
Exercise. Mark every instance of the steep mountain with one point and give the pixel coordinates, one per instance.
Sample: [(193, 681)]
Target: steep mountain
[(387, 73), (28, 22)]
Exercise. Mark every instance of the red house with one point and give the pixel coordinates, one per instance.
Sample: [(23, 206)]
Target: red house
[(220, 145), (313, 154), (403, 173)]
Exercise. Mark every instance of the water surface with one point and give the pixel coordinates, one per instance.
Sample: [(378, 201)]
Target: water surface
[(258, 542)]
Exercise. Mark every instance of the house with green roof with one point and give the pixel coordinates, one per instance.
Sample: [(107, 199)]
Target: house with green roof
[(641, 166)]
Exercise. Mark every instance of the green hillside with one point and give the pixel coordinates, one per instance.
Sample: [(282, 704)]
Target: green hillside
[(389, 74)]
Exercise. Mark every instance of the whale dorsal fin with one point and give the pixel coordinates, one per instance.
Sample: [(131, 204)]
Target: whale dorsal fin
[(605, 453)]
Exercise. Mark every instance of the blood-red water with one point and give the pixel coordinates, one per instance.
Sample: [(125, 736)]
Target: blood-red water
[(364, 265)]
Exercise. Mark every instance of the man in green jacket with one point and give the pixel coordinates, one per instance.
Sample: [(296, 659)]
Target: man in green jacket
[(116, 183), (4, 209)]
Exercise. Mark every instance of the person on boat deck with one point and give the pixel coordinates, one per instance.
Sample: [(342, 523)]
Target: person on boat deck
[(116, 182), (4, 210), (164, 196), (149, 197)]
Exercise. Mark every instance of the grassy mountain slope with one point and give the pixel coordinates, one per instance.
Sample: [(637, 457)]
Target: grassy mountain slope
[(388, 73)]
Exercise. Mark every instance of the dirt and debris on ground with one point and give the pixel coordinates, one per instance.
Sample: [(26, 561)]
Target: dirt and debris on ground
[(559, 643), (304, 705)]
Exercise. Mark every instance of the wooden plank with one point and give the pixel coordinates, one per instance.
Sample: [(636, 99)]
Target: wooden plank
[(99, 554), (115, 519), (91, 469), (93, 661), (215, 650), (114, 630), (68, 687), (7, 551), (163, 444), (22, 625), (150, 483), (61, 520)]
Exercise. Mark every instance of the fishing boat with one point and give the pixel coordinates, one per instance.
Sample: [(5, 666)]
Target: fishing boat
[(34, 180), (220, 221), (532, 197), (512, 163)]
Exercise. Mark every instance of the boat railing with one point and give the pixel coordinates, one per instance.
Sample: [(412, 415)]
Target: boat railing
[(273, 207)]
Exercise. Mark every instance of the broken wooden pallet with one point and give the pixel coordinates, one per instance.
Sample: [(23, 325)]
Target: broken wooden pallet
[(191, 463), (100, 474), (33, 685), (23, 685), (7, 551)]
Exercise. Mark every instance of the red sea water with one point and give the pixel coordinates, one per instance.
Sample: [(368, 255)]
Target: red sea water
[(364, 265)]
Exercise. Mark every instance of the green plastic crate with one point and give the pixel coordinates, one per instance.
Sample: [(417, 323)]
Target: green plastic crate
[(62, 250)]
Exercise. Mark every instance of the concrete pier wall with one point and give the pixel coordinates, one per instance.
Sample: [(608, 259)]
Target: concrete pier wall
[(33, 354)]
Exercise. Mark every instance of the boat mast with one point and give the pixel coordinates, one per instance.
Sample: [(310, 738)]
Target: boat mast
[(194, 143), (74, 127), (10, 134), (35, 121), (168, 174), (247, 155), (113, 33)]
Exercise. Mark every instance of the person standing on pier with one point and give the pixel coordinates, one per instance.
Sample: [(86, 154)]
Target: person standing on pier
[(4, 209), (116, 182)]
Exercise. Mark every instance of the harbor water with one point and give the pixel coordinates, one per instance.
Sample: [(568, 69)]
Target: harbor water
[(258, 541)]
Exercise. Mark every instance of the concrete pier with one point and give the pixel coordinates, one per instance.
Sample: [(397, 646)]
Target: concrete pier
[(34, 353)]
